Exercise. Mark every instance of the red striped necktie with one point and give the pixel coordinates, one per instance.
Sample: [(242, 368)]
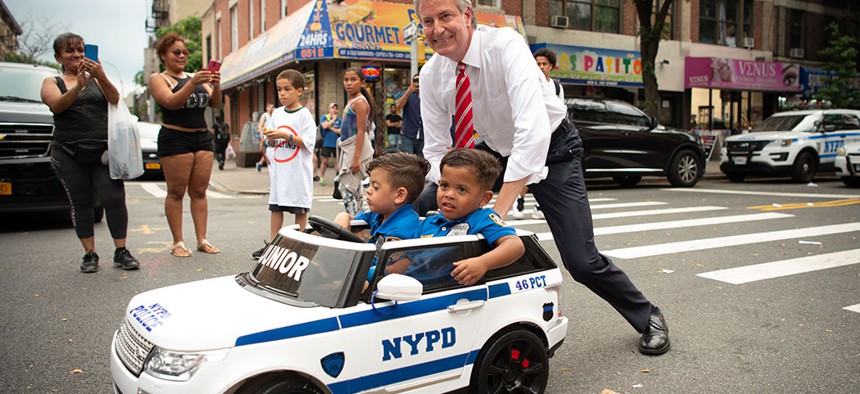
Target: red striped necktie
[(464, 133)]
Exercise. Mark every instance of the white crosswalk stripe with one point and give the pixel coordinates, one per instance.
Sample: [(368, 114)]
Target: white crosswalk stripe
[(159, 190), (776, 269), (853, 308)]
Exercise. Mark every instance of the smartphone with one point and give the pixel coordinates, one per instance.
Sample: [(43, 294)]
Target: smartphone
[(214, 65), (91, 51)]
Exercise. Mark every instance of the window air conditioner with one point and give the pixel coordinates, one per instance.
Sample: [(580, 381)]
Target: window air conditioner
[(796, 53), (559, 21), (749, 42)]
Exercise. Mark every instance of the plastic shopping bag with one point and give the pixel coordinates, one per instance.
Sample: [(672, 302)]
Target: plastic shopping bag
[(230, 154), (124, 154)]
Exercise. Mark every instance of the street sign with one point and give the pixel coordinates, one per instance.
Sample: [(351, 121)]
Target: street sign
[(410, 31)]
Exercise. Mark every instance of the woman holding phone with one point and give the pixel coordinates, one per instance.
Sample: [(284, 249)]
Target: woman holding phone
[(78, 98), (185, 145)]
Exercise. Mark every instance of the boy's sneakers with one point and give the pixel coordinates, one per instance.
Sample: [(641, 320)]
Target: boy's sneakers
[(517, 210), (123, 258), (537, 213), (90, 263), (322, 181), (259, 167), (259, 253)]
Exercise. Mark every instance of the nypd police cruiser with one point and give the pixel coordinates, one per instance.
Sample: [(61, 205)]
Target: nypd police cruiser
[(307, 320), (798, 144)]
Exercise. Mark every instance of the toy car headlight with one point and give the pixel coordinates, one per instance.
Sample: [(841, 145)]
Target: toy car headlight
[(179, 366), (841, 151)]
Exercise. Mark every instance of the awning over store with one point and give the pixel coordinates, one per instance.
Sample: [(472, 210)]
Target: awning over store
[(722, 73), (266, 52), (352, 29), (595, 66)]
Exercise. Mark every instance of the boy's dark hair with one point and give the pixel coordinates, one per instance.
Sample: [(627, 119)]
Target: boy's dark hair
[(548, 54), (404, 170), (485, 165), (296, 78)]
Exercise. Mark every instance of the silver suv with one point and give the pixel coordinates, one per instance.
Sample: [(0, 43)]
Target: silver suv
[(27, 181)]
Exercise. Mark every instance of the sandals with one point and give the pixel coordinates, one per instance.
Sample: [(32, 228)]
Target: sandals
[(180, 250), (205, 247)]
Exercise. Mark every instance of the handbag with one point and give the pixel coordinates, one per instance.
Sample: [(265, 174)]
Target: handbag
[(125, 155), (86, 151)]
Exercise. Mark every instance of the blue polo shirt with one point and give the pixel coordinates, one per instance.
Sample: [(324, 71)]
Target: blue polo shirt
[(329, 136), (413, 127), (403, 224), (484, 221)]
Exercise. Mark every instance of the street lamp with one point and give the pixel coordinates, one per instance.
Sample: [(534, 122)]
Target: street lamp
[(121, 84)]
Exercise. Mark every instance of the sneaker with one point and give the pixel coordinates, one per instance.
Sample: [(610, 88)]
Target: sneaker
[(322, 181), (123, 258), (316, 178), (221, 165), (259, 167), (521, 203), (257, 254), (537, 213), (90, 263)]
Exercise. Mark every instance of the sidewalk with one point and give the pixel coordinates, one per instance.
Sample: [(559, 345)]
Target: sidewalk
[(248, 181)]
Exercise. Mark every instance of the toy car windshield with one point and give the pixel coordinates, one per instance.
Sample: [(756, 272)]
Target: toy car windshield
[(304, 269)]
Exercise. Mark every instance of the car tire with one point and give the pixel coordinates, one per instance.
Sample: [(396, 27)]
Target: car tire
[(736, 176), (804, 168), (685, 169), (627, 180), (280, 384), (851, 182), (515, 361)]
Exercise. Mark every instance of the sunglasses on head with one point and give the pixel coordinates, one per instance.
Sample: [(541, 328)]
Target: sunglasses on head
[(178, 52)]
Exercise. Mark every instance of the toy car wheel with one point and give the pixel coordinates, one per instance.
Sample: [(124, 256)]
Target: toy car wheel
[(685, 170), (279, 384), (330, 229), (804, 168), (515, 362)]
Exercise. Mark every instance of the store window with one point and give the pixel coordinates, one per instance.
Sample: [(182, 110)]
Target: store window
[(592, 15), (718, 21)]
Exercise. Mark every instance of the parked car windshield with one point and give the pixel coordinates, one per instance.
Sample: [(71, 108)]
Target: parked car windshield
[(304, 271), (23, 84), (781, 123)]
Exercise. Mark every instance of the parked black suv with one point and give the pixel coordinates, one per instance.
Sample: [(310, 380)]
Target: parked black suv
[(624, 143), (27, 181)]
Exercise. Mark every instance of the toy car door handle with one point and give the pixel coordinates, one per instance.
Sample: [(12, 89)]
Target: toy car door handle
[(465, 306)]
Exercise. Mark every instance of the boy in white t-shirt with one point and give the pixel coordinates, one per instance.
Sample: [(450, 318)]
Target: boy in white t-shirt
[(290, 153)]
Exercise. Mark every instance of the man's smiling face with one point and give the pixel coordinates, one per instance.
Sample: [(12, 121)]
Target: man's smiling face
[(447, 29)]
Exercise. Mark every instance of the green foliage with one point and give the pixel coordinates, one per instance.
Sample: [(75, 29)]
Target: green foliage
[(841, 55), (189, 28), (17, 57)]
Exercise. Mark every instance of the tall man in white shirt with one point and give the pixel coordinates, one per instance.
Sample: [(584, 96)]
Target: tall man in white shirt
[(537, 146)]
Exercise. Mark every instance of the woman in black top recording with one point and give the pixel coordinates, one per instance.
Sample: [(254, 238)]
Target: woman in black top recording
[(184, 142), (78, 98)]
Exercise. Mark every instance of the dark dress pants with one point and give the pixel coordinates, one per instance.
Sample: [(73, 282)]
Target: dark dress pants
[(564, 201)]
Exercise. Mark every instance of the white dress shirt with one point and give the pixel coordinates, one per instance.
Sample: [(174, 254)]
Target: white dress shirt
[(508, 106)]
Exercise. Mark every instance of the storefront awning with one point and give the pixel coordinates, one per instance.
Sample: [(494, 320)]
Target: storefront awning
[(352, 29), (595, 66), (722, 73)]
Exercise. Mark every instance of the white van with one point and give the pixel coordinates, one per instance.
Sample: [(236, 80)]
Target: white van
[(797, 144)]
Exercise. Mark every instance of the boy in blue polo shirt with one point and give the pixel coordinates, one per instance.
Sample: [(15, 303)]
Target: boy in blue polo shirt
[(396, 180), (465, 186)]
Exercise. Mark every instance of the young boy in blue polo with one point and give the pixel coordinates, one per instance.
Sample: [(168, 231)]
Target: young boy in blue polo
[(396, 180), (465, 186)]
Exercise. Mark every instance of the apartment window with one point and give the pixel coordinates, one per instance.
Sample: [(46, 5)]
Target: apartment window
[(488, 3), (795, 29), (283, 9), (234, 29), (262, 16), (718, 21), (209, 47), (592, 15), (668, 24), (250, 20), (218, 38)]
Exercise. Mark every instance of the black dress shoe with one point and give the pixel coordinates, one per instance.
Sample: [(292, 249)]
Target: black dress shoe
[(655, 339)]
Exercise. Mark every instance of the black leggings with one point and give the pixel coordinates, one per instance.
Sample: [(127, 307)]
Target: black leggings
[(80, 180)]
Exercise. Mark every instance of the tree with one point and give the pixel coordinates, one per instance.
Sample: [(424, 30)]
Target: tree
[(36, 44), (841, 55), (650, 33)]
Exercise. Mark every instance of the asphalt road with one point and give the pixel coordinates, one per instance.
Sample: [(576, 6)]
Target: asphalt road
[(789, 326)]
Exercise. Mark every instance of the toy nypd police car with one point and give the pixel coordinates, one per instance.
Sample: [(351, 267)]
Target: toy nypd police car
[(307, 320)]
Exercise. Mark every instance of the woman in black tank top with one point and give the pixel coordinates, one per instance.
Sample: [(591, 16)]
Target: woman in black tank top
[(184, 142)]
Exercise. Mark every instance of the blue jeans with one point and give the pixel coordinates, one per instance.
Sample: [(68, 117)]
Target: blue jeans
[(412, 145), (393, 143)]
